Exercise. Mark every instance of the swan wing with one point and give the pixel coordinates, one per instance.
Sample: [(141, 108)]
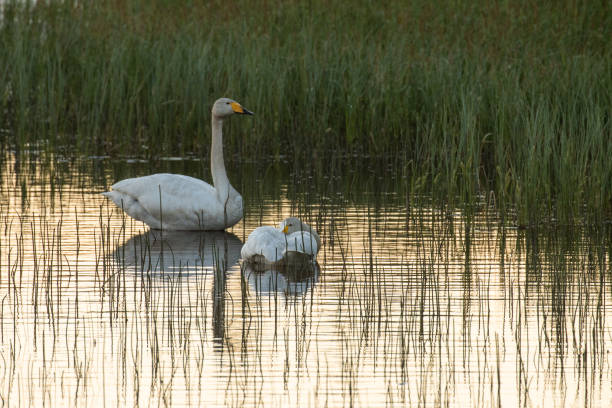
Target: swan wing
[(302, 241), (186, 202), (267, 241)]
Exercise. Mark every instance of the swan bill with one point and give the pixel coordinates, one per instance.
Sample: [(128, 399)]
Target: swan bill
[(237, 108)]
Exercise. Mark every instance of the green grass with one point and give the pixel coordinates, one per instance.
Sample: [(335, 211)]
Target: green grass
[(464, 97)]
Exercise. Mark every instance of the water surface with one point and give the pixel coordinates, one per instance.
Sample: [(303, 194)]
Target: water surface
[(411, 303)]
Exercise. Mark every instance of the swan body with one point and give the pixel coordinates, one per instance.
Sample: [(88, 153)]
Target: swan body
[(178, 202), (187, 203), (293, 238)]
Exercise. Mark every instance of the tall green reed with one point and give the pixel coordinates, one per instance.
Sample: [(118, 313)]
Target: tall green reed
[(468, 98)]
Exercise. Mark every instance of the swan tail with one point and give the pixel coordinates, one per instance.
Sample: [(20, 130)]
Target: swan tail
[(132, 207)]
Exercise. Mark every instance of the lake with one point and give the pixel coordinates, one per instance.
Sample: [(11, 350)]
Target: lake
[(412, 302)]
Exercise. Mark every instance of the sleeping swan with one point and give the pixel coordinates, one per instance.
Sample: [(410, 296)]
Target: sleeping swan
[(270, 246), (186, 203)]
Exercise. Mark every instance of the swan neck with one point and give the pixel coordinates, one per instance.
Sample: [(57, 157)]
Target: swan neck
[(217, 165)]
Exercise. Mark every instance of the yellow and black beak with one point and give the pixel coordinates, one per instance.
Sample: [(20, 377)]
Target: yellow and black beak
[(286, 229), (239, 109)]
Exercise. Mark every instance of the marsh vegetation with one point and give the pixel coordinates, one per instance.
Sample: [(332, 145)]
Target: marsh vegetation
[(463, 98), (454, 157)]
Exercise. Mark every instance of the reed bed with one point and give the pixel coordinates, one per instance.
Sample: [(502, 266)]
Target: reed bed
[(462, 98)]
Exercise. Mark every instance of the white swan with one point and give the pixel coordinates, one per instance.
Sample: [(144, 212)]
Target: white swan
[(270, 245), (186, 203)]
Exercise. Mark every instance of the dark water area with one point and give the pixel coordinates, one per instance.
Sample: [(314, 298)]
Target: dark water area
[(412, 302)]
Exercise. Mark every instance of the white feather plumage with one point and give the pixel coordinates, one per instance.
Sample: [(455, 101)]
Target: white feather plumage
[(177, 202)]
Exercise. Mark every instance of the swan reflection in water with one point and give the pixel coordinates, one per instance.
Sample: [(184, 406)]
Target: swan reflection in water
[(292, 279), (186, 261), (185, 252)]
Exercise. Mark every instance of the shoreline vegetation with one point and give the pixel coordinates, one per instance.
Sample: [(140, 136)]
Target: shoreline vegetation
[(511, 99)]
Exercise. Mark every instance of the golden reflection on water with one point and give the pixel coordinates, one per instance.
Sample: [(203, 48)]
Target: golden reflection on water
[(403, 308)]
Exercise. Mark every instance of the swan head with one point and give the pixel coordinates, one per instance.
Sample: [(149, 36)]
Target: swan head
[(294, 224), (225, 107)]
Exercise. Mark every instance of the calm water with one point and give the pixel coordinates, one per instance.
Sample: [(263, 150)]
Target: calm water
[(411, 304)]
